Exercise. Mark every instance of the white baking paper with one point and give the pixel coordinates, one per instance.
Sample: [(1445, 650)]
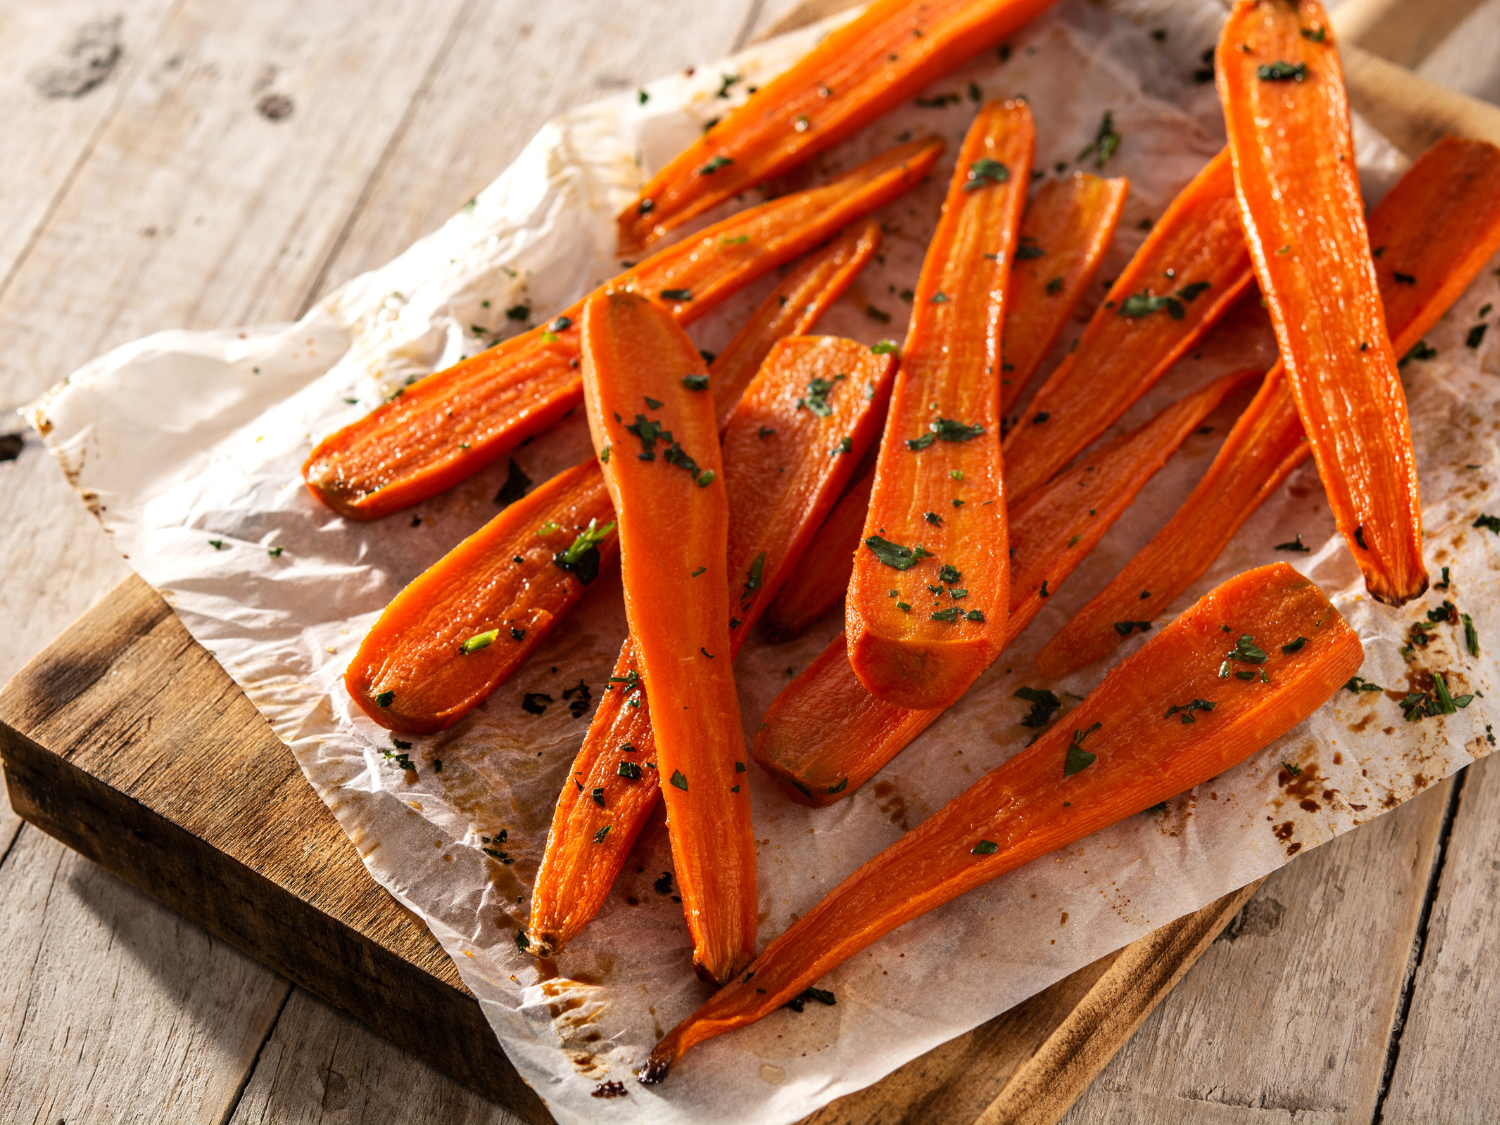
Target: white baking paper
[(188, 446)]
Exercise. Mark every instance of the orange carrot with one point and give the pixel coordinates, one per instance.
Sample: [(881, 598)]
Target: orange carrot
[(1067, 227), (1192, 267), (1438, 226), (1288, 122), (792, 309), (466, 623), (821, 577), (655, 432), (448, 426), (824, 736), (507, 586), (1166, 719), (784, 461), (856, 74), (937, 510)]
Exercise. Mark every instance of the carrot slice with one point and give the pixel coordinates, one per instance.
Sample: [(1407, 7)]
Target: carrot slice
[(1067, 227), (1288, 121), (792, 309), (824, 736), (1438, 226), (450, 425), (856, 74), (784, 461), (654, 427), (466, 623), (821, 577), (1192, 267), (1122, 750), (937, 510), (507, 586)]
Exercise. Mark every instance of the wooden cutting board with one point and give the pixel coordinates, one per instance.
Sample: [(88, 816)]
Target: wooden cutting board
[(127, 741)]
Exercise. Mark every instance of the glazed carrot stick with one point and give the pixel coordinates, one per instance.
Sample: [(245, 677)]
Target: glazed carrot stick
[(784, 461), (792, 309), (1168, 718), (1065, 231), (822, 575), (1192, 267), (824, 736), (466, 623), (450, 425), (1437, 227), (471, 619), (937, 509), (856, 74), (1288, 122), (653, 426)]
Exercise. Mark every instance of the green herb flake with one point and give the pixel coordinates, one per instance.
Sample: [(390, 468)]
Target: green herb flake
[(598, 796), (951, 614), (1078, 758), (949, 574), (1471, 634), (1294, 646), (479, 641), (1357, 684), (679, 780), (676, 294), (1043, 705), (1294, 545), (1125, 628), (695, 382), (1475, 336), (629, 770), (1488, 523), (1055, 286), (1106, 141), (885, 347), (1186, 709), (984, 847), (603, 832), (1281, 71), (582, 557), (974, 615), (933, 518), (985, 171), (522, 942), (651, 403), (893, 554), (714, 165), (840, 787), (385, 699), (752, 579)]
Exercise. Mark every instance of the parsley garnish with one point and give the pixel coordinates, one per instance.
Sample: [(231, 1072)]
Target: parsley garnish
[(1488, 523), (385, 699), (1105, 141), (676, 294), (945, 429), (714, 165), (885, 347), (1244, 652), (582, 557), (1043, 705), (695, 382), (1281, 71), (895, 555), (1028, 250), (679, 780), (535, 702), (603, 832), (1422, 351), (1471, 634), (984, 847), (1358, 684), (986, 171), (949, 574), (816, 398), (479, 641), (629, 770), (1186, 709), (1294, 646), (515, 486), (950, 614), (1294, 545), (1078, 758), (1125, 628), (752, 579)]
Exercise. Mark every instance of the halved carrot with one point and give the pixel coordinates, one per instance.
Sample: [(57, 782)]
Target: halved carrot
[(784, 461), (448, 426), (504, 588), (1288, 122), (663, 470), (937, 510), (1168, 718), (1067, 227), (824, 736), (466, 623), (856, 74), (818, 582), (1438, 227), (1192, 267), (792, 309)]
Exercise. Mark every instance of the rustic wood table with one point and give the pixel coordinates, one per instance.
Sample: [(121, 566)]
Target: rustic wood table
[(201, 163)]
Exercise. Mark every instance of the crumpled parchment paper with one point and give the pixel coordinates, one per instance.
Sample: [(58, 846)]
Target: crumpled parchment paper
[(188, 446)]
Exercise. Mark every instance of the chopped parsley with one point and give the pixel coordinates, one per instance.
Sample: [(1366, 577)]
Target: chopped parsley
[(515, 486), (1186, 709), (676, 294), (385, 699), (1028, 250), (984, 847), (945, 429), (1422, 351), (1245, 651), (1106, 141), (479, 641), (629, 770), (1357, 684), (1294, 646), (535, 702), (1078, 758), (895, 555), (1281, 71), (949, 574), (752, 579), (1043, 705), (951, 614), (1488, 523), (885, 347), (679, 780), (1294, 545), (714, 165), (582, 557), (1125, 628), (986, 171), (1471, 634), (603, 832), (695, 382)]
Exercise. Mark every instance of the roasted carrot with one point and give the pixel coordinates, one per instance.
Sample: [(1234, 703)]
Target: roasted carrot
[(784, 461), (856, 74), (937, 509), (792, 309), (654, 429), (450, 425), (1192, 267), (1168, 718), (824, 736), (1288, 122), (470, 620), (818, 582), (1438, 226), (1067, 227)]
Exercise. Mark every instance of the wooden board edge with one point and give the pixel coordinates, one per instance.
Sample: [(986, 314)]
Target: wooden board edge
[(410, 1007)]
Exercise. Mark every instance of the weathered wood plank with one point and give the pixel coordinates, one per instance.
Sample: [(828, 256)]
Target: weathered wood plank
[(217, 191), (1448, 1054), (107, 999), (320, 1063), (1287, 1018), (514, 65)]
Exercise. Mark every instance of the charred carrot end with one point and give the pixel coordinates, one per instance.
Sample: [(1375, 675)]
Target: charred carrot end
[(825, 736), (819, 580), (665, 477), (441, 430), (927, 599), (1285, 107), (607, 799), (1167, 718), (463, 626), (1436, 229), (792, 309), (856, 74), (1065, 232), (1192, 267)]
